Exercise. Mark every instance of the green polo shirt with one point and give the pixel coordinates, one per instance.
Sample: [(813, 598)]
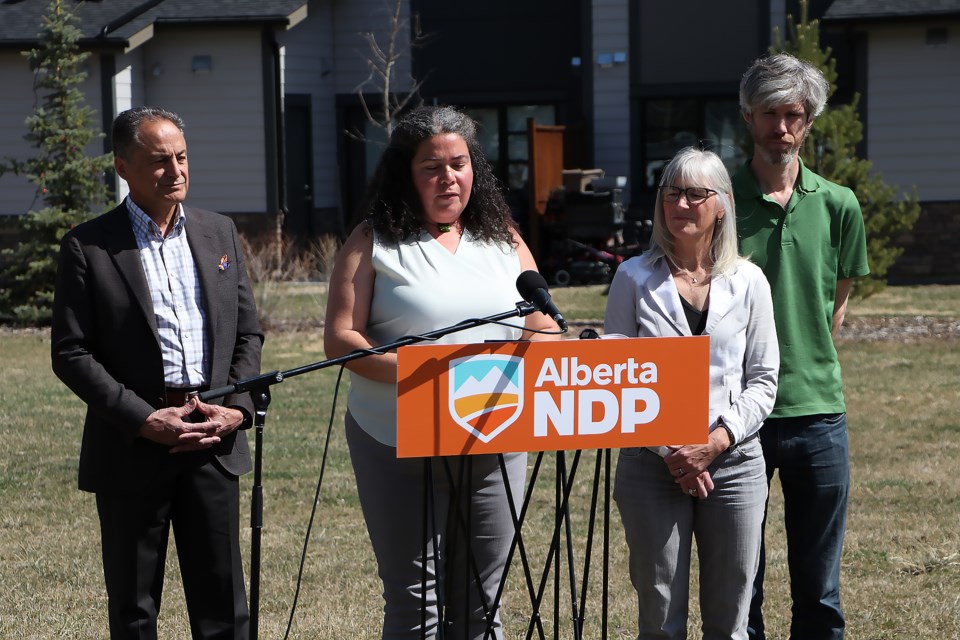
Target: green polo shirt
[(803, 249)]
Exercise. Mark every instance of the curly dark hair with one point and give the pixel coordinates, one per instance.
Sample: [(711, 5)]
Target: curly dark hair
[(392, 205)]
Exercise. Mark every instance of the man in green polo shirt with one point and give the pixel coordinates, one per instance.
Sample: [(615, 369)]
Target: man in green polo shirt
[(807, 235)]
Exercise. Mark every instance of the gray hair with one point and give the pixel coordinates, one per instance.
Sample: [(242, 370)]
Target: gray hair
[(780, 79), (704, 169), (426, 122), (126, 127)]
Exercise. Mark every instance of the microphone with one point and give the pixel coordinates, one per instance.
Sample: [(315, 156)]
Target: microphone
[(533, 289)]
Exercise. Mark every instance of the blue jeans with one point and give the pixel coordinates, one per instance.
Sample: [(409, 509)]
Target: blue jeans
[(811, 454)]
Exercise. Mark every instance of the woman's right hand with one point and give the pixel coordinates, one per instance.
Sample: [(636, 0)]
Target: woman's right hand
[(696, 485)]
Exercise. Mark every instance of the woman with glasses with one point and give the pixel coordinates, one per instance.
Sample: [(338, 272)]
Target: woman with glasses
[(692, 282)]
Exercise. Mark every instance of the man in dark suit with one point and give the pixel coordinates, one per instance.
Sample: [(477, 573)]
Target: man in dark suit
[(153, 304)]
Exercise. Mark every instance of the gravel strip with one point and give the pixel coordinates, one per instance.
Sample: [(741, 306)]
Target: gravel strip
[(904, 328)]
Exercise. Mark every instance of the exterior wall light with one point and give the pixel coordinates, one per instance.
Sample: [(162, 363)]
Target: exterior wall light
[(202, 65)]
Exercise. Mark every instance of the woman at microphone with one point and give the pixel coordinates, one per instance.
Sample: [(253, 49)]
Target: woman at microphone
[(692, 282), (435, 245)]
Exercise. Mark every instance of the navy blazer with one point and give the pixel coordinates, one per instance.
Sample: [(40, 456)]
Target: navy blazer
[(105, 345)]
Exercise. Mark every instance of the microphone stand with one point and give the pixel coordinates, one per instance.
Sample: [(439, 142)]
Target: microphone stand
[(259, 389)]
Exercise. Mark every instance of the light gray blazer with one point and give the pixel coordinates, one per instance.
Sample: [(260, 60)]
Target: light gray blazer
[(744, 354)]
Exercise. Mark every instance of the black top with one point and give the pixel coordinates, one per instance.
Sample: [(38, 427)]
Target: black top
[(695, 318)]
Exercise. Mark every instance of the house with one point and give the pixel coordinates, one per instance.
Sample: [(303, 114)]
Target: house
[(270, 92), (908, 75), (216, 62)]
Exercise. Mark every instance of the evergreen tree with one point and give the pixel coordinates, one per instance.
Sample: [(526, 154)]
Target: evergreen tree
[(831, 152), (70, 183)]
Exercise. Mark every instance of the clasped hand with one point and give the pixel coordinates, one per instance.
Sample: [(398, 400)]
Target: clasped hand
[(688, 465), (167, 426)]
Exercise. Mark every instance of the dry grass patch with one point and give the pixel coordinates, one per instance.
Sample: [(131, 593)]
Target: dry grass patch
[(901, 565)]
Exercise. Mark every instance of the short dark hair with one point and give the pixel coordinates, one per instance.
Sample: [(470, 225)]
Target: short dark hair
[(126, 127), (392, 205)]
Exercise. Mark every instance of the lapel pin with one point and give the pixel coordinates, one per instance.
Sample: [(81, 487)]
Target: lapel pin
[(224, 263)]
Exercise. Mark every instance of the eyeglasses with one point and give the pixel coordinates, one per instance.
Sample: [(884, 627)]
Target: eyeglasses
[(694, 195)]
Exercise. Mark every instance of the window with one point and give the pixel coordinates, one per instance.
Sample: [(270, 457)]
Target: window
[(671, 124), (503, 135), (502, 132)]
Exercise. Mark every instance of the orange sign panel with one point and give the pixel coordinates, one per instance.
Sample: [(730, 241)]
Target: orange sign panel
[(548, 396)]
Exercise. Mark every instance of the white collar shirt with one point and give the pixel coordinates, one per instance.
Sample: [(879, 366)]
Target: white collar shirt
[(176, 295)]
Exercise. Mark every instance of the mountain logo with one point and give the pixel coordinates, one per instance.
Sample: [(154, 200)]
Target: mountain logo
[(486, 393)]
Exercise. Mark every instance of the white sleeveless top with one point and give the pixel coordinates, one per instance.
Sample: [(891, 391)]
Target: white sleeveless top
[(420, 286)]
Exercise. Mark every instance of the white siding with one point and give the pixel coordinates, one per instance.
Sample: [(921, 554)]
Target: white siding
[(611, 90), (325, 56), (128, 81), (913, 94), (17, 194), (127, 93), (309, 69), (223, 112)]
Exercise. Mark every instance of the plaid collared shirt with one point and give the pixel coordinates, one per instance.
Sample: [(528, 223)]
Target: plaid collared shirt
[(177, 299)]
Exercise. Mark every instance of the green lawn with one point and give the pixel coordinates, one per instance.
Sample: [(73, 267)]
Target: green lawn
[(301, 305), (901, 568)]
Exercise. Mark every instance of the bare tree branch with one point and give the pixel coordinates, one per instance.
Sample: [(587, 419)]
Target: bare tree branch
[(383, 63)]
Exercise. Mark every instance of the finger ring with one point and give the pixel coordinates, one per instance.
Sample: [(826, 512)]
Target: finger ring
[(693, 492)]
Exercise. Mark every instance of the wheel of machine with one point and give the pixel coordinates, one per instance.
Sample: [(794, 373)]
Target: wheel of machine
[(561, 278)]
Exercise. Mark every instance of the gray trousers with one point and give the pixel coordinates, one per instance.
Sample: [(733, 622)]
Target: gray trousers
[(462, 494), (660, 522)]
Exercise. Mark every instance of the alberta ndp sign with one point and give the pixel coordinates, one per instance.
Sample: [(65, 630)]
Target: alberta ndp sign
[(548, 396)]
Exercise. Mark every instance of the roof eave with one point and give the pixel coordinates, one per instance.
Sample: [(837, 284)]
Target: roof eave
[(139, 38), (864, 19), (297, 16), (282, 21), (109, 34)]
